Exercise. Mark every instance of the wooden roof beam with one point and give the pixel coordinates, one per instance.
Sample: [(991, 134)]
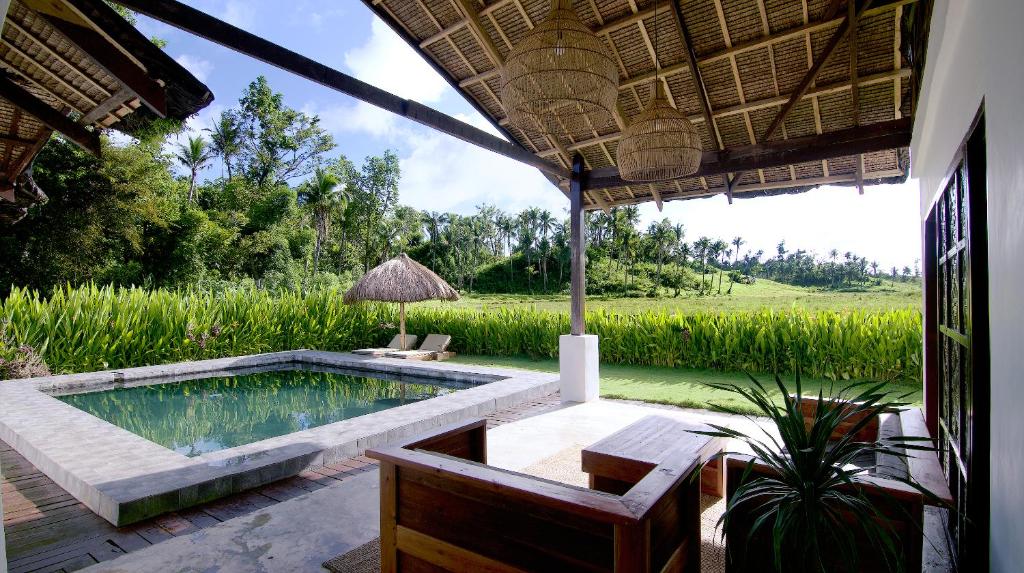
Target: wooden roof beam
[(51, 118), (851, 14), (787, 184), (864, 139), (203, 25), (115, 63), (805, 83)]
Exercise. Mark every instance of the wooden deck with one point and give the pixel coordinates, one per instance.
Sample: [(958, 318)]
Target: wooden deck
[(49, 530)]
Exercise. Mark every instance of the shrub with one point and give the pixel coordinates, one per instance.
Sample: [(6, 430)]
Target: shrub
[(92, 328)]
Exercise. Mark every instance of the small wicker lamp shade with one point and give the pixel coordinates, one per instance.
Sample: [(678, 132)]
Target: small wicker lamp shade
[(560, 79), (660, 144)]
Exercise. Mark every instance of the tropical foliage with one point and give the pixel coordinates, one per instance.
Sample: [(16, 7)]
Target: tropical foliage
[(286, 211), (93, 328), (810, 509)]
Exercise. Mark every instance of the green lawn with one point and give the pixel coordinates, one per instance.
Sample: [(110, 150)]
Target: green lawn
[(675, 386), (762, 294)]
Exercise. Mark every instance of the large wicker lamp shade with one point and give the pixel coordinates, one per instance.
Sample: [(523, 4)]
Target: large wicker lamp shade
[(660, 144), (560, 79)]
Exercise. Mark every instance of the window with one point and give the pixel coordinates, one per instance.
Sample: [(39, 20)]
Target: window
[(956, 345)]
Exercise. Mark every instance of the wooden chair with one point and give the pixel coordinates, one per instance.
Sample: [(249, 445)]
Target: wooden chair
[(809, 407), (443, 509), (394, 345), (434, 347)]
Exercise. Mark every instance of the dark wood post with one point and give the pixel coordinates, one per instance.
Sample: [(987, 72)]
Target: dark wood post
[(577, 241)]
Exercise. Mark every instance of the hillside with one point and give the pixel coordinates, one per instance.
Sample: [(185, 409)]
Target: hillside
[(762, 294)]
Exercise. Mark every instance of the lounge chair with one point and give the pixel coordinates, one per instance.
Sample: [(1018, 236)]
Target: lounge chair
[(394, 345), (434, 347), (444, 509)]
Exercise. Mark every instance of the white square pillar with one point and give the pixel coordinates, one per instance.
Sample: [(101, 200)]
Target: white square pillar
[(578, 360)]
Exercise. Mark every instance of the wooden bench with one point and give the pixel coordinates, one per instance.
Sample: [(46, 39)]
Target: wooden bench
[(442, 509), (620, 461)]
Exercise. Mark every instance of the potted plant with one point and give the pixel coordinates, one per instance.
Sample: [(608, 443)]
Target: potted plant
[(797, 502)]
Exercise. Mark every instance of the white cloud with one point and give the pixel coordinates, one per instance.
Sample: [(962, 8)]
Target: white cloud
[(387, 62), (239, 14), (199, 67)]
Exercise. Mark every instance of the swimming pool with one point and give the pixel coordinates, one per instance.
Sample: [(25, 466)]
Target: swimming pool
[(195, 417), (137, 442)]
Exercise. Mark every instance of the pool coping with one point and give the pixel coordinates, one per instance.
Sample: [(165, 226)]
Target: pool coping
[(125, 478)]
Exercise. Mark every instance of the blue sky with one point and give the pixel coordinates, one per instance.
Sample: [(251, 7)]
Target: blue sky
[(440, 173)]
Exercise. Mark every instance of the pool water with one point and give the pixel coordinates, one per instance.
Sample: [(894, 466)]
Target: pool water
[(195, 417)]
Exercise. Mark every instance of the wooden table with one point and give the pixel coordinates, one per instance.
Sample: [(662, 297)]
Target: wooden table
[(621, 460)]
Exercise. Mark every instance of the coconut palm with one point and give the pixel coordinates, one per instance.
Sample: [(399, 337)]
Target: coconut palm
[(321, 196), (545, 223), (194, 156), (737, 242), (225, 138)]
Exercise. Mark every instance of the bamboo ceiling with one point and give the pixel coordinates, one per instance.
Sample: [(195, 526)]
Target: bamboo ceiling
[(752, 55), (75, 66)]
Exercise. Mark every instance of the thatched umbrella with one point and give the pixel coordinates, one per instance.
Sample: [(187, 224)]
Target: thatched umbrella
[(400, 280)]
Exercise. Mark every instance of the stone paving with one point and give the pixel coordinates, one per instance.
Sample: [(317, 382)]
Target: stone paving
[(126, 478)]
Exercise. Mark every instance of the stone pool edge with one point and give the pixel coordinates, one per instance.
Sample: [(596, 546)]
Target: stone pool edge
[(125, 478)]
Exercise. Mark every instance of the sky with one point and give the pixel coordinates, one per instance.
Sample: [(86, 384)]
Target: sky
[(441, 173)]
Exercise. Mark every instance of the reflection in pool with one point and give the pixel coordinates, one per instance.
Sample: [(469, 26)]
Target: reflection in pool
[(199, 416)]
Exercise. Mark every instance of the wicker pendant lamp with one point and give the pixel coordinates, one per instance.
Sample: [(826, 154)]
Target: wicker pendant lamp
[(560, 79), (661, 143)]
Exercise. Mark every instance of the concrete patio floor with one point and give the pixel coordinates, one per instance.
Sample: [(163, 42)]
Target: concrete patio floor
[(301, 533)]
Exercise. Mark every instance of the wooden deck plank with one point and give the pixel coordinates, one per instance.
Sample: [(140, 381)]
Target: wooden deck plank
[(48, 530)]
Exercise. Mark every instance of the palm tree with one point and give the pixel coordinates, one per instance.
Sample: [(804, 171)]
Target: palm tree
[(702, 248), (225, 138), (661, 234), (508, 228), (320, 196), (719, 248), (433, 221), (737, 242), (545, 223), (194, 156)]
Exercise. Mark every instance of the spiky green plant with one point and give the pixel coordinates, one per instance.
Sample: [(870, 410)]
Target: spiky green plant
[(812, 504)]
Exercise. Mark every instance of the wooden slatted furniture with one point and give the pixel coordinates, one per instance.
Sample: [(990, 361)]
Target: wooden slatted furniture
[(809, 407), (443, 509), (621, 460)]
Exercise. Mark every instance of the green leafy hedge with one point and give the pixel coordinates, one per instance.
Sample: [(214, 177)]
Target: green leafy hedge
[(93, 328)]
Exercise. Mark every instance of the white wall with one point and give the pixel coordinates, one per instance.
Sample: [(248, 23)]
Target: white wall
[(976, 53)]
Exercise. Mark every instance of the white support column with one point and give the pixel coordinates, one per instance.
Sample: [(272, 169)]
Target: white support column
[(578, 355)]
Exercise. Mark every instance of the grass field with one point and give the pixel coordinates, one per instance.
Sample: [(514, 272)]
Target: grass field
[(762, 294), (675, 386)]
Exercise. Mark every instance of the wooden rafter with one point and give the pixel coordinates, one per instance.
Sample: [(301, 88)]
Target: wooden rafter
[(812, 73), (116, 64), (742, 189), (855, 92), (811, 95), (864, 139), (738, 48), (205, 26), (37, 41), (19, 97), (29, 153)]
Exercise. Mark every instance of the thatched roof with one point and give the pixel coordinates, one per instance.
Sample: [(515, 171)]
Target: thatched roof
[(76, 66), (752, 57), (400, 280)]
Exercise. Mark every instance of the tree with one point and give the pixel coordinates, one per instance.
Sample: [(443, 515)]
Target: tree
[(737, 242), (320, 195), (194, 156), (702, 248), (277, 143), (225, 138), (545, 223), (377, 185), (662, 235)]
